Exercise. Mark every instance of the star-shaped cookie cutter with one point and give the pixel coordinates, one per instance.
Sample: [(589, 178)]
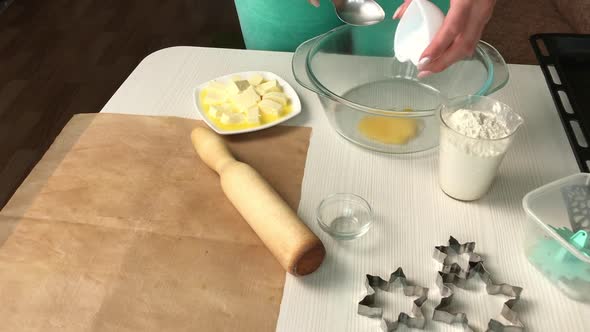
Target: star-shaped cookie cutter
[(368, 308), (443, 255), (453, 274)]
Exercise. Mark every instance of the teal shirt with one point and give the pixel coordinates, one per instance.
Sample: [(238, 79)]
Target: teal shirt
[(281, 25)]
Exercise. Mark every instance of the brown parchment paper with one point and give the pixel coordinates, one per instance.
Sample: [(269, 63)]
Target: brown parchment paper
[(121, 227)]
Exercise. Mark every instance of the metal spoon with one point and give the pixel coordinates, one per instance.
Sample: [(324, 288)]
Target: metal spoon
[(359, 12)]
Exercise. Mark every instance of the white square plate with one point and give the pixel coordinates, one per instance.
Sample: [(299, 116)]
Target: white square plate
[(287, 89)]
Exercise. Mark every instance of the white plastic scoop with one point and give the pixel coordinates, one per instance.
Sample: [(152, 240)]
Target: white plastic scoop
[(416, 30)]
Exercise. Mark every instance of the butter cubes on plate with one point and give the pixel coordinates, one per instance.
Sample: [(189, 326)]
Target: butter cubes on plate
[(247, 100)]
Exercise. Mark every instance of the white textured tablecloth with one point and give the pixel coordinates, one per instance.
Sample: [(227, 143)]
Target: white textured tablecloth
[(412, 214)]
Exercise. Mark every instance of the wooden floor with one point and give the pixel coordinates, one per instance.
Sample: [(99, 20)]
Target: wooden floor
[(62, 57)]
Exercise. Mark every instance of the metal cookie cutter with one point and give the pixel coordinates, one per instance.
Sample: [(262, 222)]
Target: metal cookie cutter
[(458, 277), (367, 306), (443, 254)]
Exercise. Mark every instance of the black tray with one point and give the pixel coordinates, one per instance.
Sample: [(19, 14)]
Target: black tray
[(565, 61)]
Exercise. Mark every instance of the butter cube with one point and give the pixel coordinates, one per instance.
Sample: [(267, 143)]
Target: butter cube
[(232, 118), (215, 111), (214, 85), (246, 99), (279, 97), (253, 115), (242, 85), (214, 97), (236, 78), (266, 87), (232, 88), (270, 107), (256, 79)]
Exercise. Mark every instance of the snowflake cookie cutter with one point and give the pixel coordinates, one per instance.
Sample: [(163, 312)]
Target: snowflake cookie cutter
[(453, 275), (368, 308), (443, 255)]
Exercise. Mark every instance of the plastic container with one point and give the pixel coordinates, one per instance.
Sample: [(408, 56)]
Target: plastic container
[(557, 236), (416, 30), (377, 40)]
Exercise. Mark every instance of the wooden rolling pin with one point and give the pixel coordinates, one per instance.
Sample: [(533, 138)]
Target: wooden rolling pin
[(297, 249)]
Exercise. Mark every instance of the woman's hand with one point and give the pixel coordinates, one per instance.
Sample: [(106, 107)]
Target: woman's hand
[(315, 3), (458, 35)]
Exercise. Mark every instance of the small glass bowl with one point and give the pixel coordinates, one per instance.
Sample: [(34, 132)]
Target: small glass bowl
[(345, 216)]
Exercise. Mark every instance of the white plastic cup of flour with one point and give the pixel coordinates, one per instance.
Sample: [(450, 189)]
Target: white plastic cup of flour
[(476, 132)]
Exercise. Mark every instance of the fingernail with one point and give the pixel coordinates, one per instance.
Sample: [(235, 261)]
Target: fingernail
[(423, 62), (424, 74), (397, 13)]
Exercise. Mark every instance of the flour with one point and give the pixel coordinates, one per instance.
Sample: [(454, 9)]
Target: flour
[(472, 146), (476, 124), (478, 133)]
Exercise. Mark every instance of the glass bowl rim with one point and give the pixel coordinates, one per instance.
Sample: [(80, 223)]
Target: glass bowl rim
[(393, 113)]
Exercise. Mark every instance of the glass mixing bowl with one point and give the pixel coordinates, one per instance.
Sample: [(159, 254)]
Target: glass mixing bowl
[(377, 102)]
